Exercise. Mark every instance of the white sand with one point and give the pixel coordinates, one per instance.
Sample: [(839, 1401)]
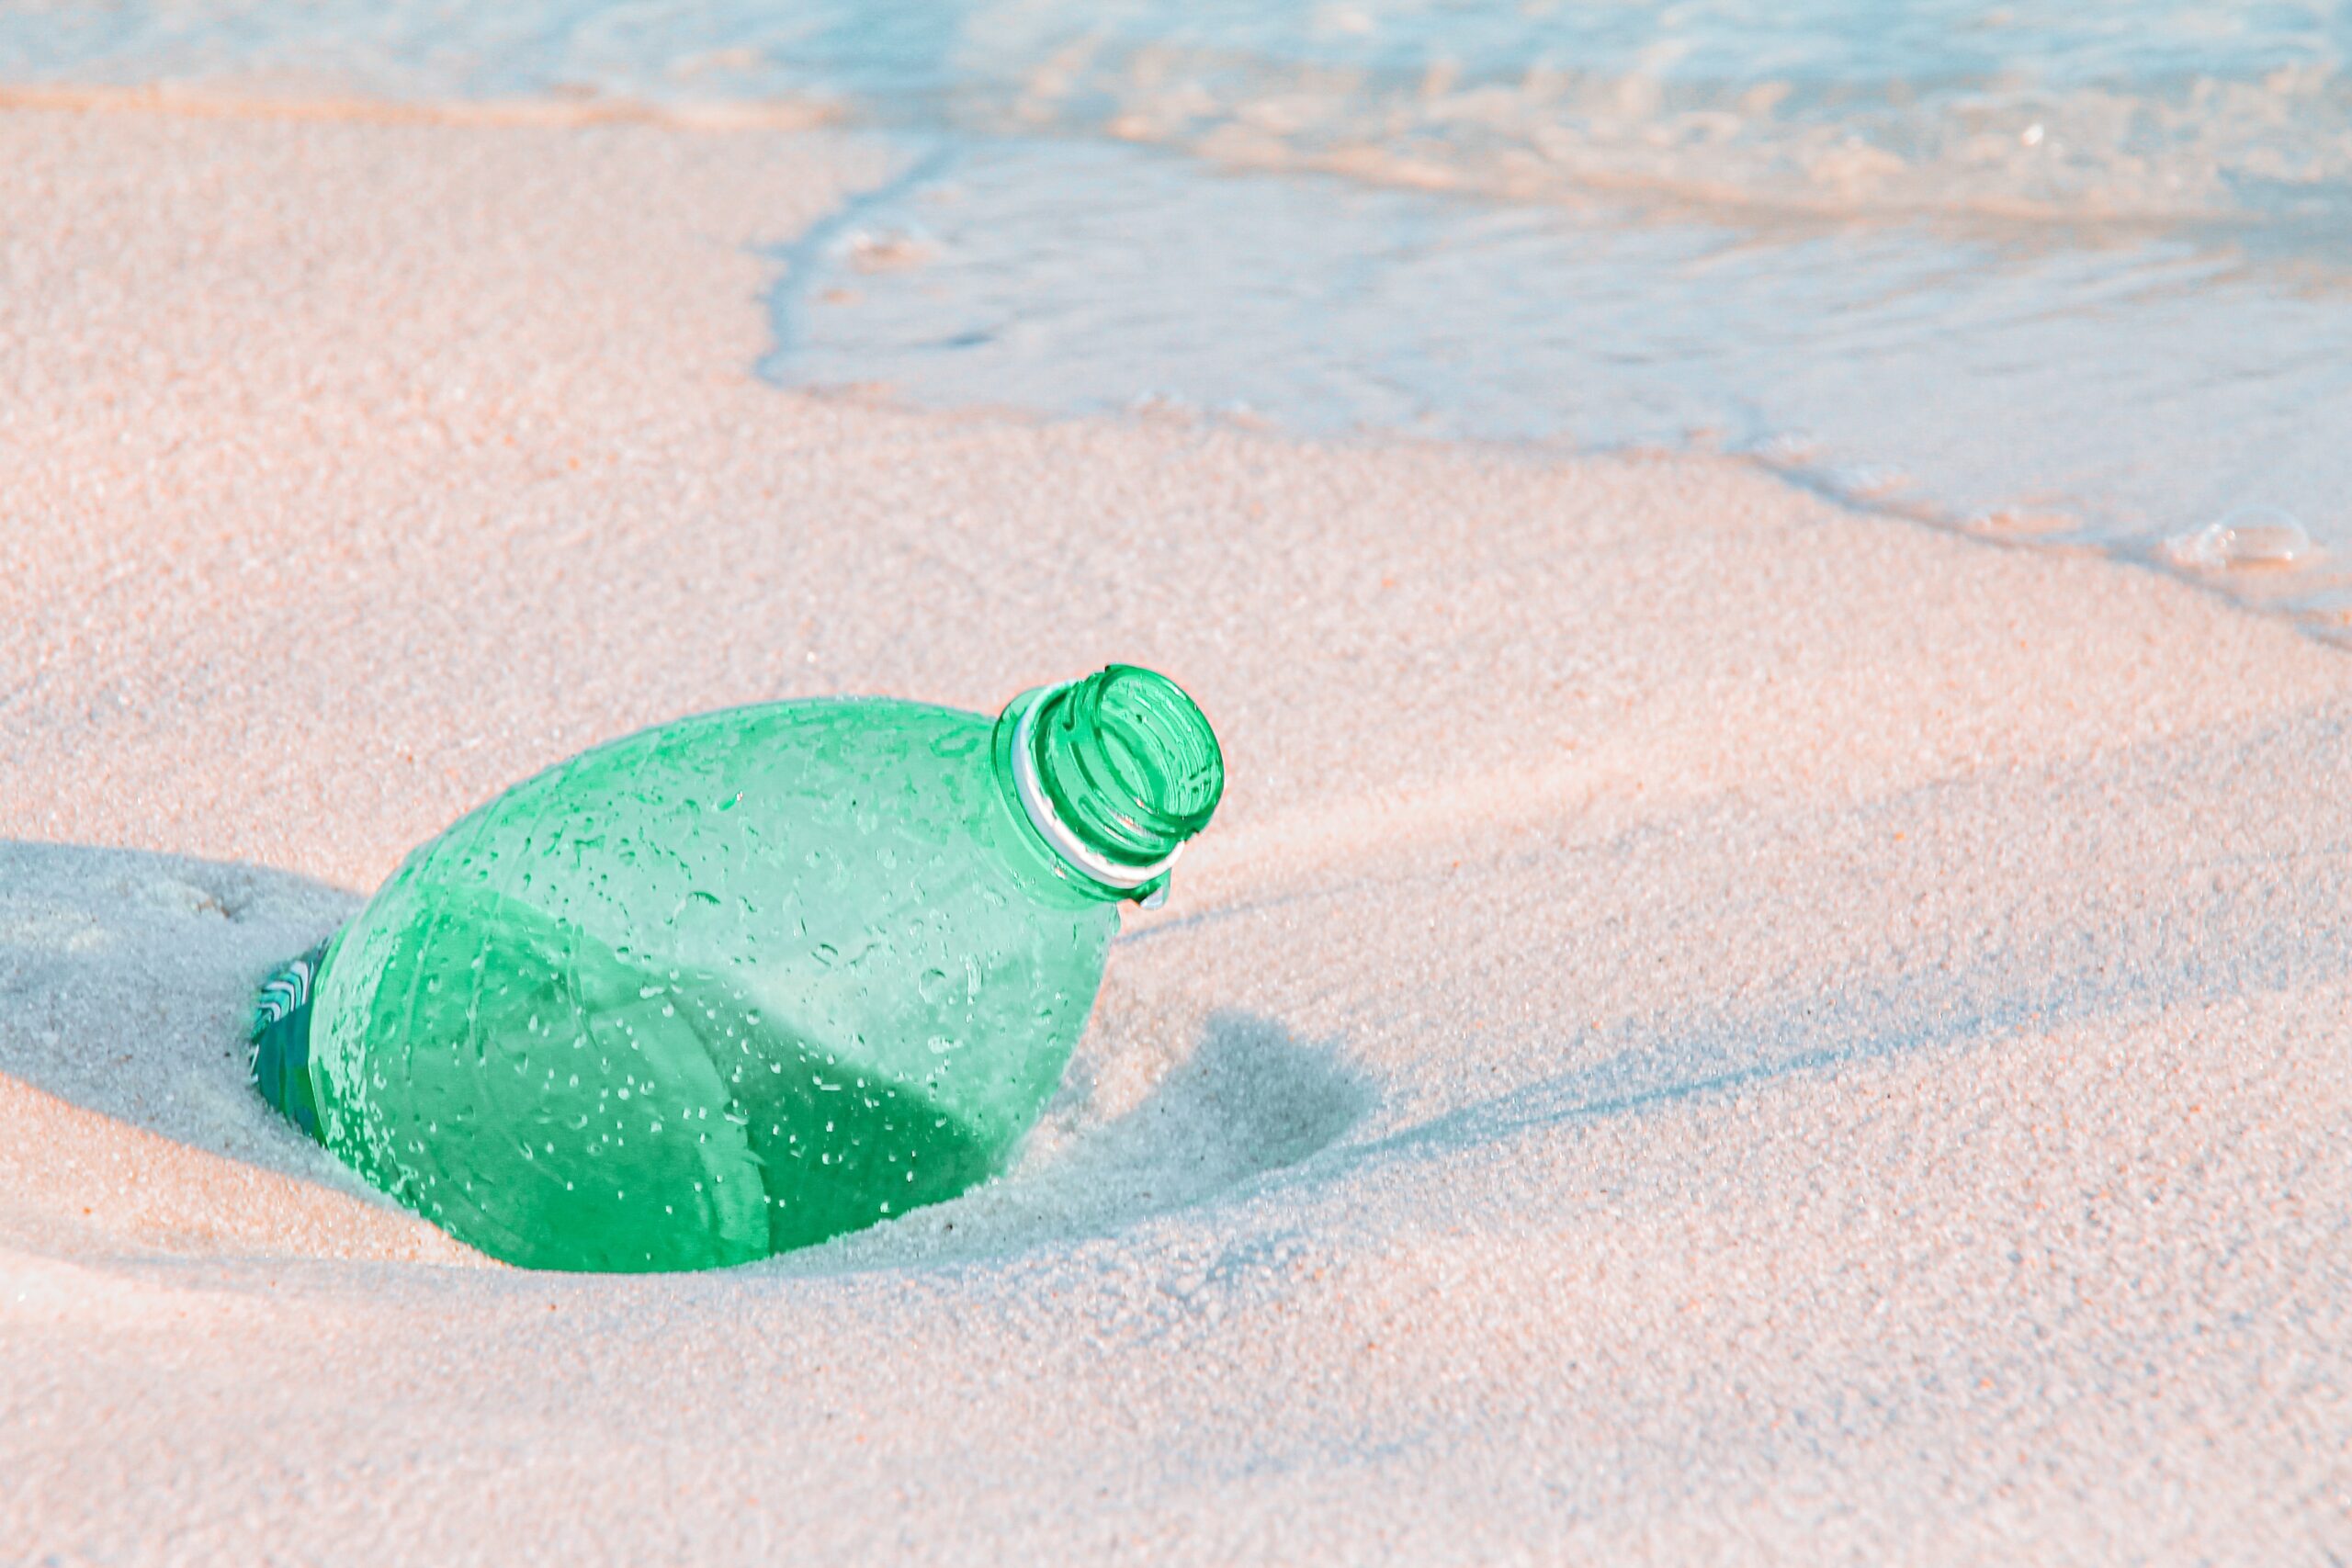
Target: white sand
[(1706, 1027)]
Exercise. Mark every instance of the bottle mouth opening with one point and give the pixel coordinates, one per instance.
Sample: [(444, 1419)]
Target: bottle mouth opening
[(1117, 772)]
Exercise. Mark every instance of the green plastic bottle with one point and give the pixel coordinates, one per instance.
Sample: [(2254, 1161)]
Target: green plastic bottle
[(744, 982)]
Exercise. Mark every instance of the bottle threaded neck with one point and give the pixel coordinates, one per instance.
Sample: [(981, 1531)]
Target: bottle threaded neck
[(1128, 763)]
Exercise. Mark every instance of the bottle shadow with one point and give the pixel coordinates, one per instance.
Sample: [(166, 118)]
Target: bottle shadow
[(127, 987), (127, 983), (1249, 1099)]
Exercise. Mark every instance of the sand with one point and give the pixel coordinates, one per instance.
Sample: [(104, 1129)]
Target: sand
[(1709, 1026)]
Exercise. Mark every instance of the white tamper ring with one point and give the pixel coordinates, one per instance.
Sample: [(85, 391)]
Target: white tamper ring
[(1050, 827)]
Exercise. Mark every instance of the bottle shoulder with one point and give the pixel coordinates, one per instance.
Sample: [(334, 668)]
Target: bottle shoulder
[(857, 804), (813, 758)]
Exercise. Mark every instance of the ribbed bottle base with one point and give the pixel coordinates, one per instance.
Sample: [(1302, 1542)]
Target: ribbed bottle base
[(280, 1039)]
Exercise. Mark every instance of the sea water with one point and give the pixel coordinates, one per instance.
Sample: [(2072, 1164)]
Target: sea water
[(2061, 271)]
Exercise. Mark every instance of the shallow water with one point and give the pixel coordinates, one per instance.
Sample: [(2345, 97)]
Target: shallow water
[(2067, 272)]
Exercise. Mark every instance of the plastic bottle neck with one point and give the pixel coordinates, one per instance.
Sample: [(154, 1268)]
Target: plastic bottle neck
[(1114, 774)]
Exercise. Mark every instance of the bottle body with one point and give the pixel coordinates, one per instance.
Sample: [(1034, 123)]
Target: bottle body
[(712, 991)]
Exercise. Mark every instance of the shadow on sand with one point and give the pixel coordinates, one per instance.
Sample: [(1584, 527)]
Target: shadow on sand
[(1249, 1099), (127, 982)]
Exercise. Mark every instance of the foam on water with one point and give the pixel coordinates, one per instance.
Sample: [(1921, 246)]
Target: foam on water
[(2070, 273), (2138, 391), (2156, 109)]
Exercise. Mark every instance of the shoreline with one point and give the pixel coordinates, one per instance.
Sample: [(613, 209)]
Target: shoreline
[(2306, 581), (266, 100), (1706, 1024)]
